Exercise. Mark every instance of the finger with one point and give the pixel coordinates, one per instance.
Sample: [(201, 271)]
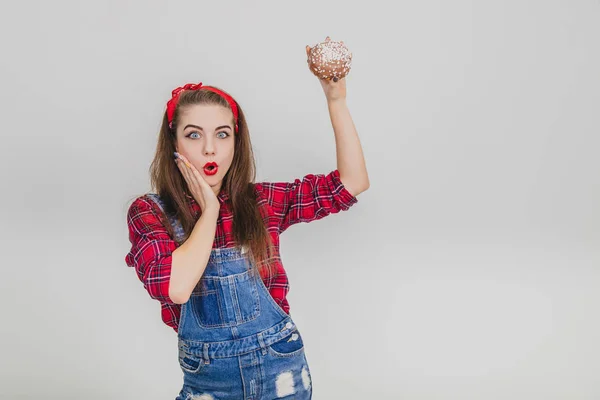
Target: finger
[(194, 176), (185, 171), (185, 161), (200, 181)]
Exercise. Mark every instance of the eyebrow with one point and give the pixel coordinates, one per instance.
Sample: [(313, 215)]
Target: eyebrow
[(200, 128)]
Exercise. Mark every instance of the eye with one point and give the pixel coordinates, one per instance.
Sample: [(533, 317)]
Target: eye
[(193, 133), (226, 134)]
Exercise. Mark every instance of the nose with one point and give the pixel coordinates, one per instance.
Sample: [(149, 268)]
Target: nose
[(209, 148)]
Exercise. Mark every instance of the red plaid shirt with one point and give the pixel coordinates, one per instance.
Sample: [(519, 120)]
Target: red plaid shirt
[(308, 199)]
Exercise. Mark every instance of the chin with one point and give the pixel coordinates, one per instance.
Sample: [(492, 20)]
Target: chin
[(212, 180)]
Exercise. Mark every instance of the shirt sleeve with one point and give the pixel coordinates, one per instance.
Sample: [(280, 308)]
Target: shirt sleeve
[(151, 248), (308, 199)]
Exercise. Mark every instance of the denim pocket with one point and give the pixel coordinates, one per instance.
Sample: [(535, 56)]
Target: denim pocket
[(226, 301), (289, 346), (189, 362)]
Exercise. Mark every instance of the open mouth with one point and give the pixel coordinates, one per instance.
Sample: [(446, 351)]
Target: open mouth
[(211, 168)]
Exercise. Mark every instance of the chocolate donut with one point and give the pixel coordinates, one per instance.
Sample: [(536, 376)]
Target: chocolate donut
[(330, 59)]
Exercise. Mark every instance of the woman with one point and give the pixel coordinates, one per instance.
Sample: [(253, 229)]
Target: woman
[(206, 244)]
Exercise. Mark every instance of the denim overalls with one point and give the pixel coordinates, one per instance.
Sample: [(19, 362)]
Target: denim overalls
[(235, 342)]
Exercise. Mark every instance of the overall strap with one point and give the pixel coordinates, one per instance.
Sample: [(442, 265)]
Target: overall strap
[(175, 223)]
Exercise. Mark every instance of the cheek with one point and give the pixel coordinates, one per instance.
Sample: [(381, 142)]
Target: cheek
[(184, 148), (230, 153)]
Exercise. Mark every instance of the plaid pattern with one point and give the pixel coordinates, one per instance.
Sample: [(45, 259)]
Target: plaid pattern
[(303, 200)]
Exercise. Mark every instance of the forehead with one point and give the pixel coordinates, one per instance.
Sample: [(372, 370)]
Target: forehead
[(206, 115)]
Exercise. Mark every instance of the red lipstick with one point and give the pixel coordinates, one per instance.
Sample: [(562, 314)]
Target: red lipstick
[(211, 168)]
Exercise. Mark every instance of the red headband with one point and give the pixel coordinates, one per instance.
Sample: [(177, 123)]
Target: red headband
[(172, 104)]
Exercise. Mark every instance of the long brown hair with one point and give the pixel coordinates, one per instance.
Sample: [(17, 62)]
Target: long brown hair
[(249, 228)]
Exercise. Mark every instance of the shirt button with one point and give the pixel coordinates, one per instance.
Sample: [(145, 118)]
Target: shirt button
[(289, 325)]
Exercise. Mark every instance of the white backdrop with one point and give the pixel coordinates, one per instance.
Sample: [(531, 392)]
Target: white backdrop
[(469, 269)]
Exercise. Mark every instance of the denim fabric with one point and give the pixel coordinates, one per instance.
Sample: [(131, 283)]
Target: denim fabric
[(235, 342)]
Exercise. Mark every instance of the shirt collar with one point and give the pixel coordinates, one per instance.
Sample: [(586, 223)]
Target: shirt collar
[(223, 196)]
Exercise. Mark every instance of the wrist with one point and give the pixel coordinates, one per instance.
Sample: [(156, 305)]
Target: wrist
[(211, 212), (337, 99), (339, 102)]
